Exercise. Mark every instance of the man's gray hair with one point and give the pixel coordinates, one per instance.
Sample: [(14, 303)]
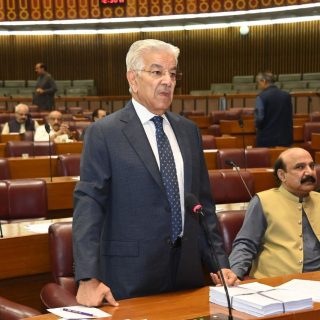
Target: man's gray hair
[(19, 106), (267, 76), (134, 59)]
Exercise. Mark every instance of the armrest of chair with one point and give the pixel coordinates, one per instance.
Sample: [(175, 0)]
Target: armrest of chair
[(54, 296), (10, 310)]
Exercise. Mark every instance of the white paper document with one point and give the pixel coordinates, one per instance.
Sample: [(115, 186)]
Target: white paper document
[(79, 312), (39, 228), (310, 287), (261, 300)]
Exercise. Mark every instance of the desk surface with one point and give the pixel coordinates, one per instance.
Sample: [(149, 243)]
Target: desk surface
[(25, 252), (194, 303)]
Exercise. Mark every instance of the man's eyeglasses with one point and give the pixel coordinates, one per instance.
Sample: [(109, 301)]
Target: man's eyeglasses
[(157, 74)]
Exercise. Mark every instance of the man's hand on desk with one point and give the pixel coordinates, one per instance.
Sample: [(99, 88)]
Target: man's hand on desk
[(230, 277), (92, 293)]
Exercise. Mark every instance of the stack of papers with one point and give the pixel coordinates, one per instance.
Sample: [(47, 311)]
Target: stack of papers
[(310, 287), (261, 300)]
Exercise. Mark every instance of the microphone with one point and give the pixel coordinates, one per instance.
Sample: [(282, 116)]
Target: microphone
[(240, 121), (193, 205), (32, 128), (48, 129), (241, 125), (234, 165)]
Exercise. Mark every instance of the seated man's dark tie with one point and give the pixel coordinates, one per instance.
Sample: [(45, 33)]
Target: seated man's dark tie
[(169, 177)]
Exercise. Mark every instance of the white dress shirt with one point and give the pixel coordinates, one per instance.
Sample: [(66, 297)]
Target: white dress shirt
[(42, 135), (145, 115)]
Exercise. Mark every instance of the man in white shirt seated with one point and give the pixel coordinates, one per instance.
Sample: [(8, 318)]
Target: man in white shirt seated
[(58, 130), (22, 121)]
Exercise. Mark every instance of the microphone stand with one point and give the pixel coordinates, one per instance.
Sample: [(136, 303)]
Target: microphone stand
[(234, 165), (215, 259), (191, 202), (48, 129), (241, 125), (32, 128)]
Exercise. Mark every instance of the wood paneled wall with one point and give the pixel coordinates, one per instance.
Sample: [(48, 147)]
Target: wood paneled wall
[(207, 56)]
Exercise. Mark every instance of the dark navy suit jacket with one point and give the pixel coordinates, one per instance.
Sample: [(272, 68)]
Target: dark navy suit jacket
[(121, 224), (275, 128)]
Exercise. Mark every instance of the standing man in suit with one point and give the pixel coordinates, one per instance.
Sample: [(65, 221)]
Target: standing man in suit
[(132, 235), (45, 89), (273, 114)]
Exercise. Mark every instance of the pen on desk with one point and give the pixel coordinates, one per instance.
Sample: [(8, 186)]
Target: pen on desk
[(78, 312)]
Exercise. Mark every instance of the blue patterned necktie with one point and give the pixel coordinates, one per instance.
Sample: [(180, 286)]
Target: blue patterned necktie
[(169, 177)]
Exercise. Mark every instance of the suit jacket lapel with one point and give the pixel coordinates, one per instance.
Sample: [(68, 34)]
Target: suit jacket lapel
[(137, 138)]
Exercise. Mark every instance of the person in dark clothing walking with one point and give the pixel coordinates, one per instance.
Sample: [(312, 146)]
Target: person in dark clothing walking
[(45, 89), (273, 114)]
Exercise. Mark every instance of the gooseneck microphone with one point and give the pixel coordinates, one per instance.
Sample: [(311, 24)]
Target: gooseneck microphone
[(234, 165), (241, 125), (32, 128), (193, 206), (48, 129)]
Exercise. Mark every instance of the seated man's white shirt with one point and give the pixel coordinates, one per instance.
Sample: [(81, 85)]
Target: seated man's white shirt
[(42, 135)]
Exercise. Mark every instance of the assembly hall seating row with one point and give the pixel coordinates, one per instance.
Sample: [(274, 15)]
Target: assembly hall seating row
[(25, 88), (30, 148), (242, 158), (23, 199), (67, 165), (71, 113)]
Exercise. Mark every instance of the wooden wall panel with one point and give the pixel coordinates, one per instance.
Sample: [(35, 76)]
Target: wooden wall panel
[(207, 56)]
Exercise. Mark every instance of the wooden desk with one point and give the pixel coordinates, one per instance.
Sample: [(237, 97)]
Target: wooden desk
[(210, 156), (2, 149), (298, 135), (315, 141), (246, 136), (10, 137), (60, 192), (25, 266), (233, 127), (32, 167), (194, 303), (226, 141), (68, 147), (263, 178)]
